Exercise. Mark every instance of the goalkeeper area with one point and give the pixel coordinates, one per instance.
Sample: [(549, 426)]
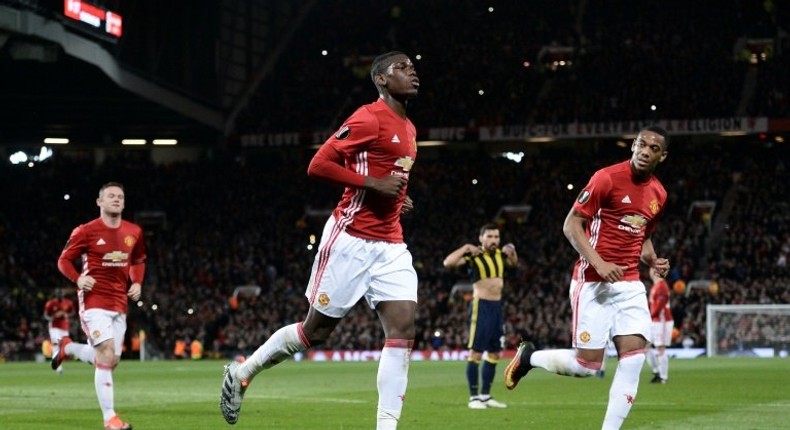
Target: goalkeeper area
[(703, 393), (748, 330)]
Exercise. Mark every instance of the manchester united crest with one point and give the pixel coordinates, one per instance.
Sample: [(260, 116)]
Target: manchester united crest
[(654, 206), (129, 241), (323, 299), (584, 336)]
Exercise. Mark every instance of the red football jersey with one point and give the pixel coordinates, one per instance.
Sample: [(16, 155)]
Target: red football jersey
[(375, 141), (622, 213), (107, 253), (54, 306), (659, 302)]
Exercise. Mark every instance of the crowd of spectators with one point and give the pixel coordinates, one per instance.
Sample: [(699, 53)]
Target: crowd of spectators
[(236, 218), (487, 64), (247, 219)]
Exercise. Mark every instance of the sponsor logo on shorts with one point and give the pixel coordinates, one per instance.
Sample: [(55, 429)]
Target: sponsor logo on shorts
[(584, 336), (323, 299)]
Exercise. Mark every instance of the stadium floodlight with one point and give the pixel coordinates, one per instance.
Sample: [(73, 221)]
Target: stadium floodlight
[(133, 142), (56, 140), (748, 330), (18, 157), (165, 142)]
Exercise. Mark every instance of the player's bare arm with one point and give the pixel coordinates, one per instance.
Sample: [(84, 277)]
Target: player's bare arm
[(649, 257), (510, 253), (389, 186), (134, 291), (456, 258), (86, 282), (573, 228), (408, 205)]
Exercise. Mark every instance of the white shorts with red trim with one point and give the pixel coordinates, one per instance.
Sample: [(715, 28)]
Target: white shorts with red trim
[(603, 310), (101, 325), (55, 334), (661, 332), (348, 268)]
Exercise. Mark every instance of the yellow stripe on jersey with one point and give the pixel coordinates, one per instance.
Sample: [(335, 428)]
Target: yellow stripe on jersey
[(487, 265), (473, 322)]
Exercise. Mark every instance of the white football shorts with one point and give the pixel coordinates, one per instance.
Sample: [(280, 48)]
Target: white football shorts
[(55, 334), (603, 310), (101, 325), (348, 268), (661, 332)]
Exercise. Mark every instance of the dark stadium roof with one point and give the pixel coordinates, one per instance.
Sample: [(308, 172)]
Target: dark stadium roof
[(64, 78), (48, 93)]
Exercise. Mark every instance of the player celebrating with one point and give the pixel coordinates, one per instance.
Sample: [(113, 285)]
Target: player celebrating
[(113, 255), (610, 226), (361, 253)]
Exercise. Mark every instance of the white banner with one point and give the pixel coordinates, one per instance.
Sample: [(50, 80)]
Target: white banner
[(621, 128)]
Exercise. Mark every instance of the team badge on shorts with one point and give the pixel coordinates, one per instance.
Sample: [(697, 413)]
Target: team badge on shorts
[(96, 334), (584, 336), (323, 299)]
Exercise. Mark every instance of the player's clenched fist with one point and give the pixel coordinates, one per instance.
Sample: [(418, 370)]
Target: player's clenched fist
[(86, 282)]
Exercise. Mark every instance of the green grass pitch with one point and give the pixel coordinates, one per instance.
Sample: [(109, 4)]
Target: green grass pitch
[(721, 393)]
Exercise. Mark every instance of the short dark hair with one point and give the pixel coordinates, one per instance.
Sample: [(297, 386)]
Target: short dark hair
[(489, 226), (110, 184), (661, 132), (380, 64)]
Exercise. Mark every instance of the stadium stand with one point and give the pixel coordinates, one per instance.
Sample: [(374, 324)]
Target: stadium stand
[(241, 216)]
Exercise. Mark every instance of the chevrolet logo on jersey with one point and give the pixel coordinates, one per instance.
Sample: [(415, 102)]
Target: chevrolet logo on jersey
[(405, 163), (632, 223), (634, 220), (115, 259)]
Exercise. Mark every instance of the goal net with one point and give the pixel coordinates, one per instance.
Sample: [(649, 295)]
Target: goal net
[(748, 330)]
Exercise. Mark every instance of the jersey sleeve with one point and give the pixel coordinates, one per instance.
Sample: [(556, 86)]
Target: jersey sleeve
[(660, 300), (48, 309), (138, 252), (73, 249), (69, 307), (329, 165), (358, 131), (594, 194), (330, 162)]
